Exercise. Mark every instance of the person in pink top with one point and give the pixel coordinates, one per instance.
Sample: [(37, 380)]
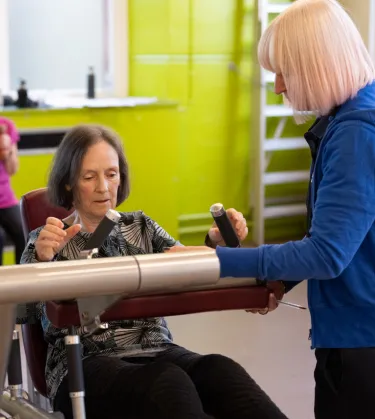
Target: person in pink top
[(10, 216)]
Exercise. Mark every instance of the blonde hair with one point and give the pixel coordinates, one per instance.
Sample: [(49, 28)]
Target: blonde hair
[(317, 49)]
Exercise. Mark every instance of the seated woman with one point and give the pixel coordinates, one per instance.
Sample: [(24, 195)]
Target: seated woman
[(133, 369)]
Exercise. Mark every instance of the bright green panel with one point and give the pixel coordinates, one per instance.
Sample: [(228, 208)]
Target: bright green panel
[(164, 77), (179, 26), (178, 76), (213, 26), (149, 78), (149, 26), (205, 156), (32, 174), (39, 118), (8, 258), (151, 148), (210, 85), (215, 144)]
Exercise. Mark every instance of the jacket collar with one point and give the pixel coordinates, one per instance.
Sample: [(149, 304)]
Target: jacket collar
[(317, 130)]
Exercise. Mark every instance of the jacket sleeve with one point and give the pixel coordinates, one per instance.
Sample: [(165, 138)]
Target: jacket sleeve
[(344, 212)]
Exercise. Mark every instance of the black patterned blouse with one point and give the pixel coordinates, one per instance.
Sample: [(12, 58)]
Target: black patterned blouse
[(135, 234)]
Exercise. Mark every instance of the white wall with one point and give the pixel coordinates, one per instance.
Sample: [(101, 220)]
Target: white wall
[(52, 43), (4, 46), (363, 14)]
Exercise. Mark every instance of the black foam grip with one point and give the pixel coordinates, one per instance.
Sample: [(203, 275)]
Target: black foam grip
[(14, 366), (227, 231), (75, 369), (100, 234)]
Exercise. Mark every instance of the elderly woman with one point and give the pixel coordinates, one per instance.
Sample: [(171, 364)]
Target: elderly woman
[(323, 67), (133, 369)]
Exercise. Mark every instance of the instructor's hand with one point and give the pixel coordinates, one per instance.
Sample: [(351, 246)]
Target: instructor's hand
[(53, 238), (238, 222), (277, 289)]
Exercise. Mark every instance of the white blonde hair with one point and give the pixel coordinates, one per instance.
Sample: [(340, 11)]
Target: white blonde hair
[(317, 49)]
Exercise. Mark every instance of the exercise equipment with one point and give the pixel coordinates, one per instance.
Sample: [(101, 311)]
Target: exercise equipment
[(132, 280), (119, 288)]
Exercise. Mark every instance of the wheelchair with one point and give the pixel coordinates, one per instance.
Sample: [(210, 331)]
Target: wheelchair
[(134, 287)]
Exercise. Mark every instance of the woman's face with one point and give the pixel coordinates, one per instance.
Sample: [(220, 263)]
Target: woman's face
[(98, 182)]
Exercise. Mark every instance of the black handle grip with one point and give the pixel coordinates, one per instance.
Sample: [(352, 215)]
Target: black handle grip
[(14, 365), (74, 360), (224, 225), (103, 230)]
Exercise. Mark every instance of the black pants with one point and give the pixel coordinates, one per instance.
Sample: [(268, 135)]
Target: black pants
[(10, 221), (176, 384), (345, 383)]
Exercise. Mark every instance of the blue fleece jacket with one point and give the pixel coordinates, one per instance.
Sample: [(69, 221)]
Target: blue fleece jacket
[(338, 259)]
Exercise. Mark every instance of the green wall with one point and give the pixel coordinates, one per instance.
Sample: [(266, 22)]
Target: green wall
[(182, 50), (185, 50)]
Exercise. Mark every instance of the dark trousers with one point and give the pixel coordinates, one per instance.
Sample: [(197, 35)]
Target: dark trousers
[(345, 383), (176, 384), (10, 221)]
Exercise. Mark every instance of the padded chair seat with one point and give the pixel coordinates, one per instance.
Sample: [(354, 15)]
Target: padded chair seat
[(63, 314)]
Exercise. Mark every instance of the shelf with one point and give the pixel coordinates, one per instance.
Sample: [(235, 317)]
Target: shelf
[(278, 111), (276, 144), (277, 8), (278, 178), (269, 77), (279, 211)]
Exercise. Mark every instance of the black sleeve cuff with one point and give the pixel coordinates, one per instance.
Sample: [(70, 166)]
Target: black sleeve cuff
[(289, 285)]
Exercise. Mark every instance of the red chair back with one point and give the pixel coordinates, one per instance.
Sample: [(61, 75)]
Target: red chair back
[(35, 209)]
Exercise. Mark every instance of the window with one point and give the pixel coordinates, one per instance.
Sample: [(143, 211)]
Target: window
[(52, 44)]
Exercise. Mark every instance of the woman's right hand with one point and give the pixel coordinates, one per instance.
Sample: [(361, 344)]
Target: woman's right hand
[(53, 238)]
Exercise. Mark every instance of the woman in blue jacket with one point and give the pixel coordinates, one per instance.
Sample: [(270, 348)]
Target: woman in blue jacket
[(322, 66)]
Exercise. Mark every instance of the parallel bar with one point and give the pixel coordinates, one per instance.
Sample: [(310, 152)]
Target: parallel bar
[(287, 176), (289, 210), (277, 144), (127, 275)]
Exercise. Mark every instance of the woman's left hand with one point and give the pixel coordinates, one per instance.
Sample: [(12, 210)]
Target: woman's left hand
[(239, 224)]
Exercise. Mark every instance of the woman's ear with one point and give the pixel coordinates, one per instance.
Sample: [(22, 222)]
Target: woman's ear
[(68, 188)]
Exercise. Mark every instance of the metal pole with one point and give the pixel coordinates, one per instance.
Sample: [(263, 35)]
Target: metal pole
[(7, 322), (21, 408)]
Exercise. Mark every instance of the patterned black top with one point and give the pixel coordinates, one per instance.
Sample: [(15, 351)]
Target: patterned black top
[(135, 234)]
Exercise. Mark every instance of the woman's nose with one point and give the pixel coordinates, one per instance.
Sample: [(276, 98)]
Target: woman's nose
[(102, 185), (280, 87)]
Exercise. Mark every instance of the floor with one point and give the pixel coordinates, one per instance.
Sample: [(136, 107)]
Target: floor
[(274, 349)]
